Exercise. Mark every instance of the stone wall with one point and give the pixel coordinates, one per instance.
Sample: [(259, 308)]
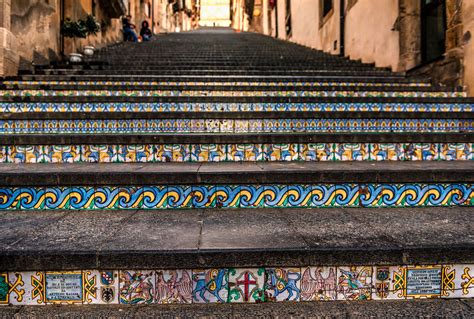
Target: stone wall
[(8, 44), (35, 24)]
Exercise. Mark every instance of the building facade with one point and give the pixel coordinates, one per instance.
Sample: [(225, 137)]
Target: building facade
[(30, 29), (414, 36)]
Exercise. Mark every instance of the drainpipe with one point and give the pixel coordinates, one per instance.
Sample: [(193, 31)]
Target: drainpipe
[(62, 8), (276, 19), (342, 29)]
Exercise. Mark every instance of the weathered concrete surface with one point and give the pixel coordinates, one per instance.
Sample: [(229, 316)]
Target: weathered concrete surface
[(378, 309), (234, 173), (64, 240)]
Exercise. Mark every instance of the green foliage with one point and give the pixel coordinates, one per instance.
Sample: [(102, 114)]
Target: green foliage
[(80, 28)]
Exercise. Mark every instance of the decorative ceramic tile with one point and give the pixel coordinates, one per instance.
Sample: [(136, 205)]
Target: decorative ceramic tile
[(354, 283), (210, 285), (318, 283), (105, 287), (67, 287), (173, 286), (246, 285), (136, 287), (423, 281), (282, 284), (458, 281), (25, 288), (388, 283)]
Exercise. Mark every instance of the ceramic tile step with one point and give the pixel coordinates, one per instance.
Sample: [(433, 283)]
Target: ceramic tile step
[(222, 125), (332, 98), (25, 107), (222, 116), (206, 239), (21, 175), (219, 92), (47, 152)]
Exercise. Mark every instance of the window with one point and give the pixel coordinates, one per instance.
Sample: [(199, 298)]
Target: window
[(288, 19), (433, 29), (327, 7)]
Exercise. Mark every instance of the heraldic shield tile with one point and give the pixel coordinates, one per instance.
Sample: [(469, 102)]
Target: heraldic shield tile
[(423, 281), (173, 286), (388, 283), (458, 281), (318, 284), (210, 285), (282, 284), (104, 287), (136, 287), (246, 285), (354, 283)]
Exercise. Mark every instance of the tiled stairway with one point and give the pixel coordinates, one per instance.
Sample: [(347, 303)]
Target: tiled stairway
[(232, 168)]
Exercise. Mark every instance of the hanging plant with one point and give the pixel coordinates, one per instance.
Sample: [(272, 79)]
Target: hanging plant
[(73, 29), (80, 28), (91, 24)]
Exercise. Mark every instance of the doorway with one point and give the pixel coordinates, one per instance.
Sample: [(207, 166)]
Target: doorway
[(433, 29)]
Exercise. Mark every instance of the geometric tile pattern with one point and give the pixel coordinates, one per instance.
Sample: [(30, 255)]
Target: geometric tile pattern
[(289, 152), (19, 107), (229, 93), (157, 126), (236, 196), (242, 285)]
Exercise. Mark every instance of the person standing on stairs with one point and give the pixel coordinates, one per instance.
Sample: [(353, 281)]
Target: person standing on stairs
[(128, 29)]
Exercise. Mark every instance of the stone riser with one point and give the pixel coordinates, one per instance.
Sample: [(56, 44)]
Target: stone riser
[(233, 126), (223, 285), (19, 107), (20, 84), (237, 196), (156, 153)]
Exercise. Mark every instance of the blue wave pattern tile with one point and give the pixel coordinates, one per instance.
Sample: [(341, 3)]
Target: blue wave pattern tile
[(235, 126), (237, 196), (18, 107), (204, 153)]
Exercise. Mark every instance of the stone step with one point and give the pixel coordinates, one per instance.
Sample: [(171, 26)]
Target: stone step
[(134, 252), (235, 185), (441, 308), (220, 92)]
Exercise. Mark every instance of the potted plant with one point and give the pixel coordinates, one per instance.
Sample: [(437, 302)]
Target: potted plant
[(92, 27), (80, 29)]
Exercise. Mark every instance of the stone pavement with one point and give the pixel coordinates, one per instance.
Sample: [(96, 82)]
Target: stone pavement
[(68, 240), (452, 309)]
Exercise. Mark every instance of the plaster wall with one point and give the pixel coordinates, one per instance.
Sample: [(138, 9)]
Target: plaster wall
[(329, 31), (305, 26), (468, 43), (281, 12), (370, 34)]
